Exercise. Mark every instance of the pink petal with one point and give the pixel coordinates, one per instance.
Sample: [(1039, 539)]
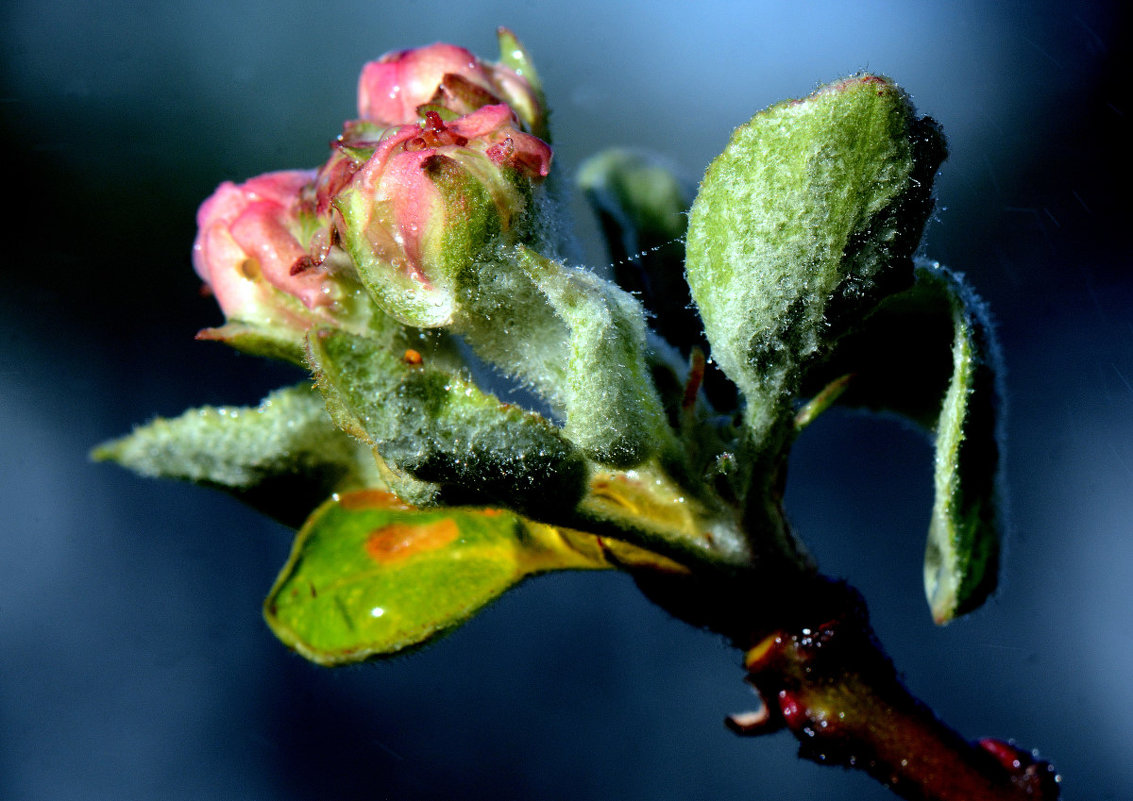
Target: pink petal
[(260, 232), (391, 88)]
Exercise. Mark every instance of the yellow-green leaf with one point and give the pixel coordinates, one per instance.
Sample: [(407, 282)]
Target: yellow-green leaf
[(370, 576)]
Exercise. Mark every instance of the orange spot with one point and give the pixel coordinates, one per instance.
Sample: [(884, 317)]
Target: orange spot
[(400, 540), (370, 499), (250, 269), (491, 512), (412, 358)]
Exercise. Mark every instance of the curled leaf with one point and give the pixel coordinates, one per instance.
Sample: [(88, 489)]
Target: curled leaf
[(962, 555), (929, 355), (642, 207), (613, 413)]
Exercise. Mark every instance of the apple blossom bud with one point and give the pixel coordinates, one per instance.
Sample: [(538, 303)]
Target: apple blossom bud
[(394, 89), (262, 251), (414, 209)]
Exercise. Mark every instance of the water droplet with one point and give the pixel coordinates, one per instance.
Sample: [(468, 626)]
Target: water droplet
[(377, 611)]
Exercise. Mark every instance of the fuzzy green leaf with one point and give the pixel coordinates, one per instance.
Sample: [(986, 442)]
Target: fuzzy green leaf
[(283, 457), (369, 576), (640, 201), (929, 355), (806, 220), (613, 412), (430, 422), (962, 556)]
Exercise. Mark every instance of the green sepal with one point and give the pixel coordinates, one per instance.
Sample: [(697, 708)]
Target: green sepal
[(370, 576), (446, 114), (515, 57), (929, 355), (282, 457), (430, 422), (382, 267), (613, 412), (284, 344), (473, 204), (808, 218)]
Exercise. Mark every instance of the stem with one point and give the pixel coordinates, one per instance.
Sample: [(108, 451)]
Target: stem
[(814, 661), (821, 672), (835, 689)]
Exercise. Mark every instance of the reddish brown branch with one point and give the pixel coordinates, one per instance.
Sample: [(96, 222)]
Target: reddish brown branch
[(833, 687)]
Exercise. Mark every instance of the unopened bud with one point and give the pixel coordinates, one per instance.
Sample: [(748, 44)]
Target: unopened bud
[(427, 200), (398, 87), (263, 252)]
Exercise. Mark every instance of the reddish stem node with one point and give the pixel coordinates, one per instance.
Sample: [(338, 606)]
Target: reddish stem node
[(835, 689)]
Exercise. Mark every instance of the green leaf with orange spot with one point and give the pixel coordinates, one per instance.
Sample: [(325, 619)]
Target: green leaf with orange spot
[(370, 576)]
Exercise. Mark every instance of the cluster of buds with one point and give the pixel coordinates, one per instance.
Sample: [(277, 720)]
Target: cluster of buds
[(799, 259), (441, 162)]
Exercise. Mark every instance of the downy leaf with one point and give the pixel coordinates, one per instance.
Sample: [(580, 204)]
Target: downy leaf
[(962, 556), (642, 208), (929, 355), (613, 413), (808, 218), (432, 423), (283, 457)]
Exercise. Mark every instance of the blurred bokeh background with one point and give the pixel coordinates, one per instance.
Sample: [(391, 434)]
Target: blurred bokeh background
[(133, 661)]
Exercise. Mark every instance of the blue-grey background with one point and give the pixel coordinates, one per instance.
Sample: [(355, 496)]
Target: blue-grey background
[(133, 661)]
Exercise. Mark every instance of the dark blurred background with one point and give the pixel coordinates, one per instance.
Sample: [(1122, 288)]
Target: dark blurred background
[(133, 660)]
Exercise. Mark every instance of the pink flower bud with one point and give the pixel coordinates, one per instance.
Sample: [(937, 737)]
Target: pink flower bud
[(426, 200), (394, 89), (254, 251)]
